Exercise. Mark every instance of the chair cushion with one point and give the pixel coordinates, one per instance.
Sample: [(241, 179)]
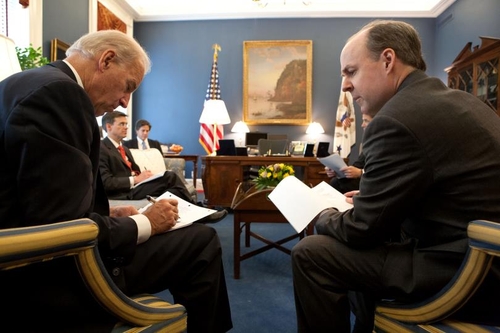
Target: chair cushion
[(150, 159)]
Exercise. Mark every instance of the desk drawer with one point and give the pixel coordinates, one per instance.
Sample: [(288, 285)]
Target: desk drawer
[(316, 172)]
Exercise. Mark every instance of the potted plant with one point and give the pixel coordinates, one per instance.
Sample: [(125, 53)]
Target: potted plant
[(29, 57)]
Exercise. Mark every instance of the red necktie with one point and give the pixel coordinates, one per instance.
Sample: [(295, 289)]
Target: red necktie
[(122, 152)]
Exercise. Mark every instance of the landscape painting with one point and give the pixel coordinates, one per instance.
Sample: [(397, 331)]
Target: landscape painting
[(277, 79)]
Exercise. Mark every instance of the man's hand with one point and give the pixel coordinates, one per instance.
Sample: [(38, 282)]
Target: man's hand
[(142, 176), (162, 215), (352, 172), (350, 195), (329, 172), (122, 211)]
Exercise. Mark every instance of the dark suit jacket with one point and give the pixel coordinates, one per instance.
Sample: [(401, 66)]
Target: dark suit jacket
[(432, 166), (114, 171), (49, 148), (133, 144)]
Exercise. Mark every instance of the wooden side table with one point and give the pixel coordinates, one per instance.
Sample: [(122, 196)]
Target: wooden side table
[(253, 206)]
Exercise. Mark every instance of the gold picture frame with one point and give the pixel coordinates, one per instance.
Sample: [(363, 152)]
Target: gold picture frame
[(277, 82), (58, 49)]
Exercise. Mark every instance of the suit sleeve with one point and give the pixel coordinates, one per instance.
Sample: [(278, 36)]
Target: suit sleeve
[(393, 182)]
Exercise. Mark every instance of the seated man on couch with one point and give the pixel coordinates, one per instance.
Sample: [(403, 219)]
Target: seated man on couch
[(120, 174), (143, 142)]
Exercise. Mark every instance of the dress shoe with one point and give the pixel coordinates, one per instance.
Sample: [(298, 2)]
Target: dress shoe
[(214, 218)]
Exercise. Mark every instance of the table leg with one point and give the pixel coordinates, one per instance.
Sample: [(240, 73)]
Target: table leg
[(236, 249)]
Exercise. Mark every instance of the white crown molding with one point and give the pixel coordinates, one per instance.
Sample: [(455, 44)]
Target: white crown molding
[(180, 10)]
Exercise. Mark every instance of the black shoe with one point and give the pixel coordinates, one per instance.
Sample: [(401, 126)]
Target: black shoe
[(214, 218)]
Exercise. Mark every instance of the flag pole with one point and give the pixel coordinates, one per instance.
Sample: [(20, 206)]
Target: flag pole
[(216, 48)]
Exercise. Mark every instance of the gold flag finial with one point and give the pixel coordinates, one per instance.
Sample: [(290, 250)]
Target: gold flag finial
[(217, 49)]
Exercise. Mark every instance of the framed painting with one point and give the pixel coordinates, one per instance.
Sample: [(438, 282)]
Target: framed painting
[(58, 49), (277, 80)]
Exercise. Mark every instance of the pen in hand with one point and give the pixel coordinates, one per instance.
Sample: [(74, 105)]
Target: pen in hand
[(151, 199)]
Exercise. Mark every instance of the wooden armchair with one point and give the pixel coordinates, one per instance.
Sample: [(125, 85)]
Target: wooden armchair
[(43, 244), (433, 315)]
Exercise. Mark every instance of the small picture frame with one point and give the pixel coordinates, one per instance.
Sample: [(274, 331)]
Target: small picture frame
[(297, 148)]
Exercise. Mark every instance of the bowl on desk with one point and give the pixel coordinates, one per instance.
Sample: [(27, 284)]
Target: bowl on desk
[(175, 149)]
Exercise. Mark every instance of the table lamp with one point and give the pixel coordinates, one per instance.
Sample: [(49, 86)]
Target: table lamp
[(240, 127), (8, 58), (214, 113), (315, 129)]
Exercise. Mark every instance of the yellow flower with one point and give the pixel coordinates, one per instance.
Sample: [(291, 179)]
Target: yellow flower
[(272, 174)]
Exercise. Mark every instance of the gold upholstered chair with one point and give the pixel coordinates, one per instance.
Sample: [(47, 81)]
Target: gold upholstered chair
[(433, 315), (43, 244)]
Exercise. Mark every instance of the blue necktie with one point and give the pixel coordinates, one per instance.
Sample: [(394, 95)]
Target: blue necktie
[(144, 145)]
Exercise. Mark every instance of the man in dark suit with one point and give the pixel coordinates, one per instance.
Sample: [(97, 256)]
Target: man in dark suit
[(49, 147), (142, 141), (431, 167)]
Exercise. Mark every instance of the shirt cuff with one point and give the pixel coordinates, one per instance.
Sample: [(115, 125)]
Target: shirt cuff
[(131, 178), (143, 227)]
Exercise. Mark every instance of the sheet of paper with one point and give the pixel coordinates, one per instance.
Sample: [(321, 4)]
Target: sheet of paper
[(188, 212), (334, 162), (299, 203), (153, 177)]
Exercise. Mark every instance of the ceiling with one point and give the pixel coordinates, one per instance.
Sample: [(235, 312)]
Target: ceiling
[(179, 10)]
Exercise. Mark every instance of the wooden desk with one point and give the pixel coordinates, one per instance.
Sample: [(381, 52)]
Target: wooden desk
[(221, 175), (192, 158)]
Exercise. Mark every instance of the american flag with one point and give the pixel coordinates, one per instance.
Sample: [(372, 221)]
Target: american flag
[(213, 92), (345, 125)]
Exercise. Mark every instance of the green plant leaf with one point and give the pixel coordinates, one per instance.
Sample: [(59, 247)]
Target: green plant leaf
[(29, 57)]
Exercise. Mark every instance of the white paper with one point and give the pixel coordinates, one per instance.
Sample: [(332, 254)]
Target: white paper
[(188, 212), (334, 162), (153, 177), (300, 204)]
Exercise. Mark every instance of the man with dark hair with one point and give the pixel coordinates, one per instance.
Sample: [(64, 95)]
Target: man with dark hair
[(49, 148), (424, 179), (142, 141)]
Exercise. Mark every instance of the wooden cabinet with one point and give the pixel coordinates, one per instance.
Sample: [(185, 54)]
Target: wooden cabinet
[(221, 175), (475, 70)]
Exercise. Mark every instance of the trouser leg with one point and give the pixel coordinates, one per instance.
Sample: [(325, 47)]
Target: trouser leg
[(187, 262)]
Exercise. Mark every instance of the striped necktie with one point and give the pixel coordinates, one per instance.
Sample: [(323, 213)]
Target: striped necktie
[(144, 145)]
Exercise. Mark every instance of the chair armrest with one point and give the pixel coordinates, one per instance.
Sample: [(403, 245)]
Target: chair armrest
[(142, 310), (27, 245), (484, 245), (485, 235)]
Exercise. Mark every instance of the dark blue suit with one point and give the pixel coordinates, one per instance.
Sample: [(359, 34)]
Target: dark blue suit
[(49, 148)]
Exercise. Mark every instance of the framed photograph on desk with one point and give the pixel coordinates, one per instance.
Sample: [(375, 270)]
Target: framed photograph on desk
[(297, 148)]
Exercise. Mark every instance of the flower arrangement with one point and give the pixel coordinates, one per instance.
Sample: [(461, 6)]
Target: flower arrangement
[(272, 174)]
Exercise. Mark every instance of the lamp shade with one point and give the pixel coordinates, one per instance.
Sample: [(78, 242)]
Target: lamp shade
[(8, 58), (214, 112), (315, 128), (240, 127)]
